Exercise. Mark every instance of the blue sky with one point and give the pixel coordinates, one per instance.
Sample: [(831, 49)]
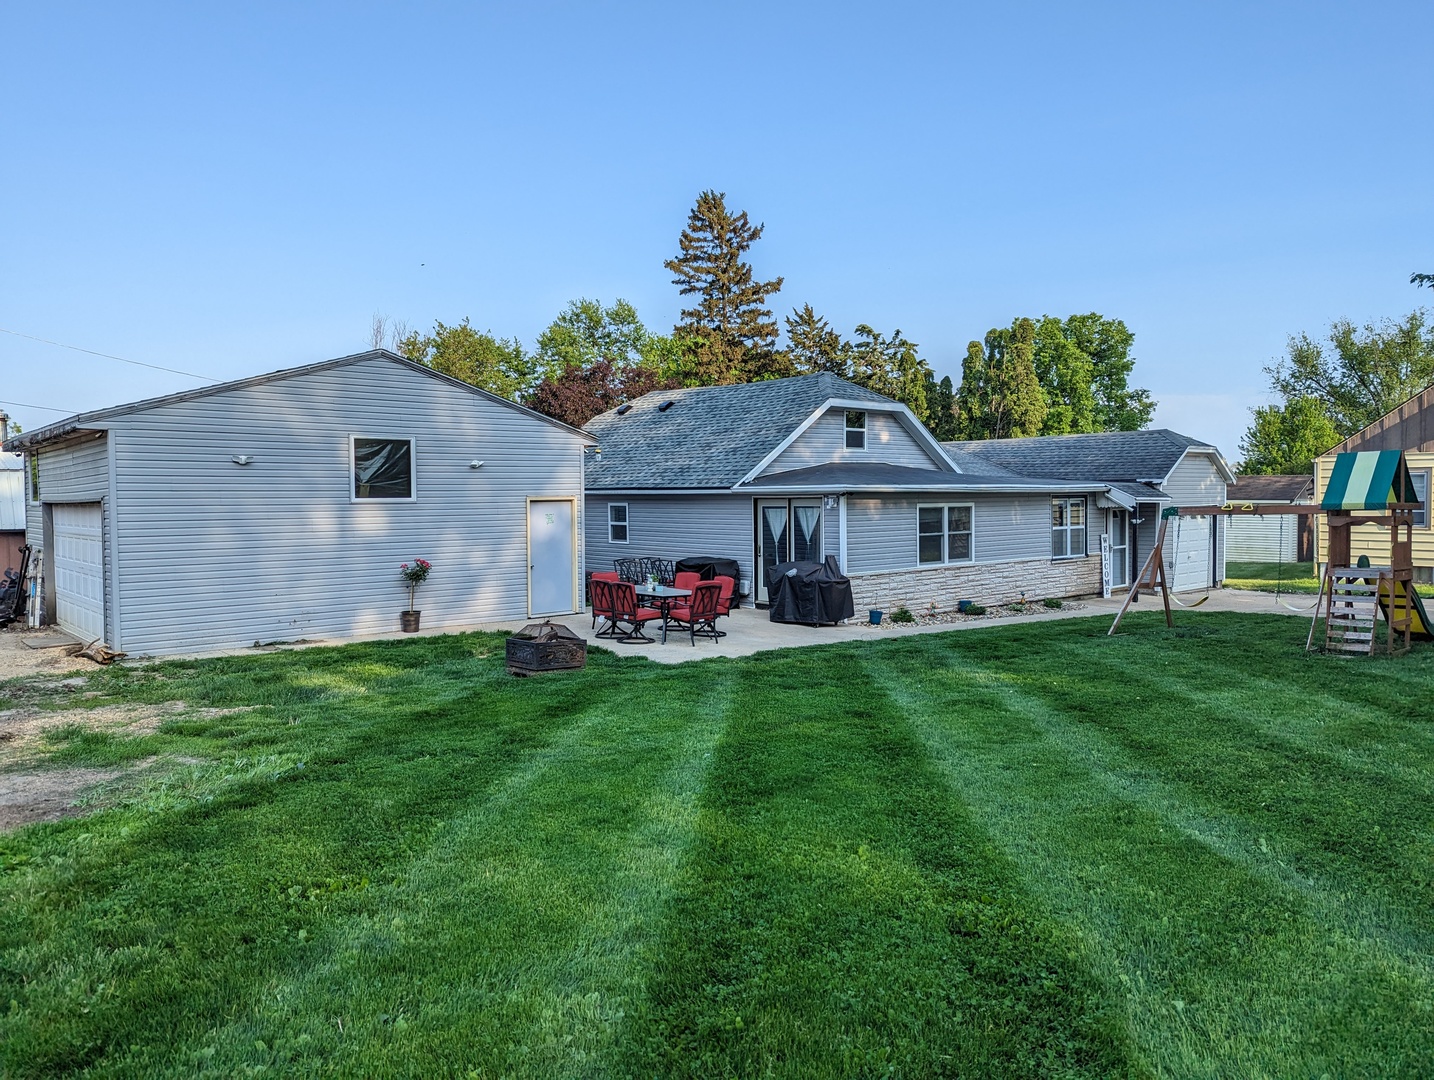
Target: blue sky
[(234, 190)]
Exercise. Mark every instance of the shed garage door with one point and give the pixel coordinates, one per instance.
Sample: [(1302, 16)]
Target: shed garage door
[(1192, 553), (79, 569)]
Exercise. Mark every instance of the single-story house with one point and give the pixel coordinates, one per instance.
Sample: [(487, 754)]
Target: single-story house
[(810, 466), (1277, 537), (1410, 428), (1143, 472), (282, 506)]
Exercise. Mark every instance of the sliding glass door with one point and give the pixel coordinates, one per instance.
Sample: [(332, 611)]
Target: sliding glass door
[(788, 530)]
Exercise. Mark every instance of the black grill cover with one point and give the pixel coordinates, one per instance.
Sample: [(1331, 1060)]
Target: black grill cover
[(711, 566), (811, 593)]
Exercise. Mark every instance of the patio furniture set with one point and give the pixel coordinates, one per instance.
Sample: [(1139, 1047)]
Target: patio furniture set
[(645, 590)]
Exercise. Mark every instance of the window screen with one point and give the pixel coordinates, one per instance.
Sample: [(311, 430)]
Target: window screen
[(383, 468), (1421, 492)]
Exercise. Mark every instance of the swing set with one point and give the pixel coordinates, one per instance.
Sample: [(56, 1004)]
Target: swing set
[(1351, 596)]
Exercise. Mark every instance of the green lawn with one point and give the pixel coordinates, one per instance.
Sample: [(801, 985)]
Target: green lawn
[(1290, 577), (1017, 851)]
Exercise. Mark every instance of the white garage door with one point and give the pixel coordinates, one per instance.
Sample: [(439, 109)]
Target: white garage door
[(79, 569), (1192, 555)]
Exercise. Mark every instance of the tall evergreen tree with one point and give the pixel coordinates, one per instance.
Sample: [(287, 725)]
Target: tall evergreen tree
[(814, 346), (941, 406), (732, 331), (1000, 396), (892, 367)]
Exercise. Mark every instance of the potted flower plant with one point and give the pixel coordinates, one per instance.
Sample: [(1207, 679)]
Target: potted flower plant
[(415, 573)]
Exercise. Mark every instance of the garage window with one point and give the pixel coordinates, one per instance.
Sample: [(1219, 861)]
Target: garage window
[(383, 468)]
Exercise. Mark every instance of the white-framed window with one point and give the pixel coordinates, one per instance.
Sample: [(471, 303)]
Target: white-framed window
[(855, 430), (1067, 528), (32, 463), (943, 534), (617, 523), (382, 468), (1421, 494)]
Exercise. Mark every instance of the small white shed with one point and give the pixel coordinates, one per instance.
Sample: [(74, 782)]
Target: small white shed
[(282, 506)]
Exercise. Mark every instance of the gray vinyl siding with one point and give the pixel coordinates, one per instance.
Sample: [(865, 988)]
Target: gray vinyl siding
[(216, 555), (673, 527), (825, 441), (77, 471), (881, 533), (1195, 481), (1263, 539)]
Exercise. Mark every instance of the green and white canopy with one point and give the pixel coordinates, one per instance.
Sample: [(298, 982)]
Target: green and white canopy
[(1368, 480)]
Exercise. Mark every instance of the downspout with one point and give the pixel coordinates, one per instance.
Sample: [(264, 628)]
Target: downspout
[(841, 532)]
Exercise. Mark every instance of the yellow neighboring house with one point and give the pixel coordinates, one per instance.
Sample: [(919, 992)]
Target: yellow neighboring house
[(1410, 428)]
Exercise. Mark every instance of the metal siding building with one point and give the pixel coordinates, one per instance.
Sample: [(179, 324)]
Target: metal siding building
[(202, 552)]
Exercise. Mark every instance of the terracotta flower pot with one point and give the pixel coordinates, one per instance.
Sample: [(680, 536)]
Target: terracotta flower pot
[(408, 621)]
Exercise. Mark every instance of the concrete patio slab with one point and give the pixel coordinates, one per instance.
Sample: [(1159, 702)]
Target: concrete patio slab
[(750, 631)]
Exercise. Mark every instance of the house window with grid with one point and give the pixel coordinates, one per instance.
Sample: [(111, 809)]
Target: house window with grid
[(1067, 528), (617, 523), (943, 534), (1421, 496), (856, 431)]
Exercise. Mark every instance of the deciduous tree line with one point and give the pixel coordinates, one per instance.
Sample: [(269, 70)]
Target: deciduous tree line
[(1035, 377)]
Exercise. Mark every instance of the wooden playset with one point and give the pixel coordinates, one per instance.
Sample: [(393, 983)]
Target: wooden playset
[(1365, 488)]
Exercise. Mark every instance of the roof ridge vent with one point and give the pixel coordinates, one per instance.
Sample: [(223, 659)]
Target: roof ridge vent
[(666, 405)]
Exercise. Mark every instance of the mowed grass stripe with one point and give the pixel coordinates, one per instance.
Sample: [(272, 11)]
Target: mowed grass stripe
[(841, 914), (515, 944), (1224, 971), (1216, 734), (152, 932)]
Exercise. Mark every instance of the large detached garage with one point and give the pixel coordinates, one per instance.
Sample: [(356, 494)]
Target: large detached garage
[(281, 507)]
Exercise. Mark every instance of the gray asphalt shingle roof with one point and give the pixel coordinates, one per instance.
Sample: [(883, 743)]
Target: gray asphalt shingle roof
[(711, 437), (881, 476), (1271, 488), (1106, 455)]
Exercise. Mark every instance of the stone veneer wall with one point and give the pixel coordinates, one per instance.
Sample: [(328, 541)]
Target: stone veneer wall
[(988, 583)]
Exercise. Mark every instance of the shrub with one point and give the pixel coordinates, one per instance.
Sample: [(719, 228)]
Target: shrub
[(902, 614), (975, 609), (1052, 603)]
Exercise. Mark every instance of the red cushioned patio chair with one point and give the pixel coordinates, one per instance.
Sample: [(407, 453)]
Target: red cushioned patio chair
[(627, 613), (699, 614)]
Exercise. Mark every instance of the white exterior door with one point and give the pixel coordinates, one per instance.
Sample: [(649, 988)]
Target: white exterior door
[(1119, 548), (79, 569), (552, 557)]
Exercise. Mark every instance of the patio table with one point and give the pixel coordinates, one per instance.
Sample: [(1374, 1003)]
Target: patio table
[(662, 597)]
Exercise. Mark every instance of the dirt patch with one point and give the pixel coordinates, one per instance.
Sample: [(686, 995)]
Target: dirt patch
[(17, 658), (22, 729), (48, 795)]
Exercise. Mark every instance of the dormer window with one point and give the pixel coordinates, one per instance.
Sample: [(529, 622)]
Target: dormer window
[(856, 431)]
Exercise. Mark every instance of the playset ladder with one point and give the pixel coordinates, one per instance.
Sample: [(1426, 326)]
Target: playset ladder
[(1351, 609)]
